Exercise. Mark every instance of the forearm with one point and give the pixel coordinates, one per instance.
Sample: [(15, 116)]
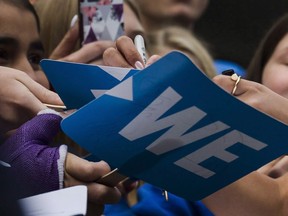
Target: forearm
[(255, 194), (39, 167)]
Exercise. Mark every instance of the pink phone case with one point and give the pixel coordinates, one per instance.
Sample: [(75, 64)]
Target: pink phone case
[(100, 20)]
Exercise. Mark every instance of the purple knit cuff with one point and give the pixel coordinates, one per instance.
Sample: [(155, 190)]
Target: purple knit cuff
[(39, 167)]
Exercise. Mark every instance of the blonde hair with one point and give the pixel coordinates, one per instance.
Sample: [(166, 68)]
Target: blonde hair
[(178, 38), (54, 23)]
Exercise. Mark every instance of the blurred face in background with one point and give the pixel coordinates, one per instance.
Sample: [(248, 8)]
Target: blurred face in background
[(132, 25), (275, 73), (20, 46), (33, 1), (189, 10)]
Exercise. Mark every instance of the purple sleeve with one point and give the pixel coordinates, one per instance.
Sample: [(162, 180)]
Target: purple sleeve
[(38, 166)]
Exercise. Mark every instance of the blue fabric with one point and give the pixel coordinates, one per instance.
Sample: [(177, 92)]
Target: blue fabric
[(151, 202), (222, 65)]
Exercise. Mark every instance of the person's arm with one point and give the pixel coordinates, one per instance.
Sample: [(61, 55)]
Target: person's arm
[(258, 96), (267, 101), (21, 98), (41, 168), (255, 194), (31, 159)]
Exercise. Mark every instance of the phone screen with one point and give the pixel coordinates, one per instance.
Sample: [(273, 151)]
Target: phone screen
[(100, 20)]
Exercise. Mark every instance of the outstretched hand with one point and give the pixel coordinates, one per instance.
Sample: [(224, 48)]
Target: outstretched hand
[(257, 96), (21, 98), (267, 101), (82, 172), (42, 168)]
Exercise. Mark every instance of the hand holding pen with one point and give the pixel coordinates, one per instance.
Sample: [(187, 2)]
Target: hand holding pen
[(126, 55), (140, 46)]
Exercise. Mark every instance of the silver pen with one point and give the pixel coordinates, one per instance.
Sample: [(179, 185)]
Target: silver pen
[(140, 46)]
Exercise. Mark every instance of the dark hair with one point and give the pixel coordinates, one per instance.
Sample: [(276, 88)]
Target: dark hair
[(25, 5), (266, 49)]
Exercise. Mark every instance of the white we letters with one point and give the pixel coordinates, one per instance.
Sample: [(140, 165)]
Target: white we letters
[(149, 121)]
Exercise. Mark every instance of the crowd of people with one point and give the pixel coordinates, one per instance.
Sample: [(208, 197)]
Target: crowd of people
[(28, 127)]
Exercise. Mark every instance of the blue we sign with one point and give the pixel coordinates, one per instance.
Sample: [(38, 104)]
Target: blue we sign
[(171, 126)]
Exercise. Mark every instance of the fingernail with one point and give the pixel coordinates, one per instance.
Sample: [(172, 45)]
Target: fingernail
[(4, 164), (74, 20), (139, 65), (152, 60), (229, 72)]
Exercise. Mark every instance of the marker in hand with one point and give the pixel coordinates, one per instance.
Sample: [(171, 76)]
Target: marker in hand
[(140, 46)]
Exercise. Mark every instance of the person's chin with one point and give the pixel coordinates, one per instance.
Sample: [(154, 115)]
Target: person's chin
[(184, 13)]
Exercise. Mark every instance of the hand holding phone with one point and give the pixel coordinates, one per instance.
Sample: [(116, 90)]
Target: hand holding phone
[(100, 20)]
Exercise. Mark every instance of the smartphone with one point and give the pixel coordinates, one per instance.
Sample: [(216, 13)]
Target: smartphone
[(100, 20)]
